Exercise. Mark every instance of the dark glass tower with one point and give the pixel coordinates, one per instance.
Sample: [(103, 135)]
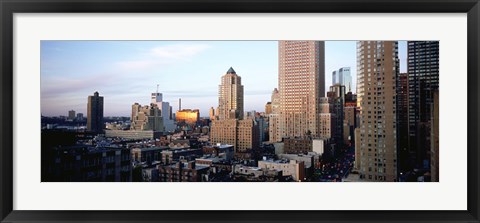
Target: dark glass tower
[(423, 81)]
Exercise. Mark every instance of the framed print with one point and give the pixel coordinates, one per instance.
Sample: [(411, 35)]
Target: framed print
[(199, 111)]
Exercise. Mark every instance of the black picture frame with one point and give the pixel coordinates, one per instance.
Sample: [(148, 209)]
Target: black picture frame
[(10, 7)]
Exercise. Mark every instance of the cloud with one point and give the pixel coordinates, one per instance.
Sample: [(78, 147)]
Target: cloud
[(164, 55), (178, 51)]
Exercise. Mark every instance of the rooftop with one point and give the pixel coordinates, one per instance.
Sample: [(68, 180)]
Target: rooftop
[(231, 71)]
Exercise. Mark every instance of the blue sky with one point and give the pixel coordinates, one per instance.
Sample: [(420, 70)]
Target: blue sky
[(125, 72)]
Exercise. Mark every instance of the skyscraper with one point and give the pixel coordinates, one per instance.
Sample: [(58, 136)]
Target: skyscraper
[(301, 84), (274, 128), (345, 78), (423, 81), (334, 77), (165, 109), (403, 155), (95, 113), (230, 96), (378, 67), (146, 118), (230, 128), (337, 99)]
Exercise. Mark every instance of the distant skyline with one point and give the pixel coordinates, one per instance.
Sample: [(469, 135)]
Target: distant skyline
[(127, 72)]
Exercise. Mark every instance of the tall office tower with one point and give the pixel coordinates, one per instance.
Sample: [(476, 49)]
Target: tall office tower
[(165, 109), (230, 100), (230, 128), (378, 68), (95, 113), (146, 117), (301, 84), (274, 124), (337, 98), (345, 78), (334, 77), (403, 154), (71, 114), (423, 80)]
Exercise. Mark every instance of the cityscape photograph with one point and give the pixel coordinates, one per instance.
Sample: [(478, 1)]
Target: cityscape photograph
[(239, 111)]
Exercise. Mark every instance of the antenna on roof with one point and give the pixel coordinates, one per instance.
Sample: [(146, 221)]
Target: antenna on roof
[(157, 88)]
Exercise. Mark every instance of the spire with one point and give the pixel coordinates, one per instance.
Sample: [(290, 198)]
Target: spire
[(231, 71)]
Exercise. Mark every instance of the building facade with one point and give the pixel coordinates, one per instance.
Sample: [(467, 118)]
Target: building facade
[(423, 81), (189, 116), (274, 123), (343, 77), (327, 119), (301, 84), (378, 68), (293, 168), (297, 145), (230, 96), (146, 117), (242, 134), (71, 114), (95, 113), (166, 111)]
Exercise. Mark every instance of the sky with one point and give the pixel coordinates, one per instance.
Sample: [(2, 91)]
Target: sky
[(127, 72)]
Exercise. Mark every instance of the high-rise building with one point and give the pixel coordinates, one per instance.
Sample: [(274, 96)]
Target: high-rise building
[(423, 80), (95, 113), (230, 100), (350, 117), (166, 111), (345, 78), (146, 117), (337, 99), (378, 68), (327, 118), (403, 154), (301, 84), (274, 124), (334, 77), (342, 76), (71, 114), (230, 128)]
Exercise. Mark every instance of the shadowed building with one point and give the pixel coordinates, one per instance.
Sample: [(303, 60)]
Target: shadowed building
[(423, 81), (95, 113)]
